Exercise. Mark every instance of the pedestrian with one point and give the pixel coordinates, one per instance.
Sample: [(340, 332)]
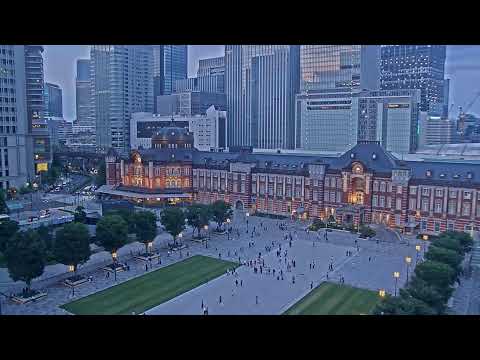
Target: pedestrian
[(256, 299), (369, 258), (233, 292), (146, 267), (236, 283), (327, 275), (273, 272), (311, 285), (108, 274), (241, 283), (310, 266), (203, 307), (313, 266), (293, 279), (261, 270), (219, 255), (293, 263)]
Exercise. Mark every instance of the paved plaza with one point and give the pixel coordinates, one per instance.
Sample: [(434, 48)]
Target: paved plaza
[(371, 265)]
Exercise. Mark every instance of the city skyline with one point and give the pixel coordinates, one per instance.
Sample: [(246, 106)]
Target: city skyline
[(461, 66)]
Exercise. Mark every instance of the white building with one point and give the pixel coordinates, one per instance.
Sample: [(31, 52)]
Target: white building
[(434, 130), (334, 120), (209, 130)]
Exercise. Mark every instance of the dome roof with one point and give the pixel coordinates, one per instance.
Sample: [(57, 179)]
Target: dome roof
[(170, 132)]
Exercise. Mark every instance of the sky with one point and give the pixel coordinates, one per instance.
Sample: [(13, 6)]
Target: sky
[(462, 67)]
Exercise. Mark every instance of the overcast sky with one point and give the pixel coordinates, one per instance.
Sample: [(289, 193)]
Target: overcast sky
[(462, 67)]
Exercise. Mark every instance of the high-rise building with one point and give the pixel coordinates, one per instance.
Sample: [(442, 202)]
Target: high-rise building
[(34, 82), (53, 100), (354, 67), (169, 64), (82, 95), (416, 67), (211, 66), (210, 83), (434, 130), (15, 144), (446, 98), (336, 120), (260, 83), (122, 83), (190, 103)]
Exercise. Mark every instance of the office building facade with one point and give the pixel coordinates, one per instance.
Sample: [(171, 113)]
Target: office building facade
[(121, 83), (335, 120), (41, 147), (208, 130), (53, 100), (416, 67), (354, 67), (169, 64), (211, 67), (83, 98), (15, 150), (435, 130), (260, 84), (190, 103)]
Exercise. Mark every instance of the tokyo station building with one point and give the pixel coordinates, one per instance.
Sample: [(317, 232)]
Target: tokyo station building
[(364, 185)]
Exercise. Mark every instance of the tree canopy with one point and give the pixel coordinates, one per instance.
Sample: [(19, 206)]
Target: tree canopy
[(198, 215), (25, 254), (7, 229), (435, 273), (145, 227), (403, 305), (112, 232), (221, 211), (3, 205), (445, 256), (72, 244), (173, 219), (101, 177), (80, 215), (448, 243)]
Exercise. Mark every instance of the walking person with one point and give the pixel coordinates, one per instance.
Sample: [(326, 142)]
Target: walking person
[(241, 283), (220, 299), (256, 299)]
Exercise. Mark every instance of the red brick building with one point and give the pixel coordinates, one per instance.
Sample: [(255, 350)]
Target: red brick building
[(364, 185)]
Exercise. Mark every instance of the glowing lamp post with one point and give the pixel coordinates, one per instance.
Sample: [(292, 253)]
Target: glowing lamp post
[(114, 256), (150, 246), (228, 229), (396, 275), (247, 215), (408, 260), (71, 268), (180, 236), (382, 293), (418, 248)]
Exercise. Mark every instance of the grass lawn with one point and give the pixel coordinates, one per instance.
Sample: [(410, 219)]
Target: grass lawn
[(333, 299), (147, 291)]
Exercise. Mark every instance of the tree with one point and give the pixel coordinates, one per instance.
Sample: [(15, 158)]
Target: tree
[(8, 228), (111, 233), (46, 236), (445, 256), (25, 256), (72, 245), (435, 273), (402, 305), (173, 219), (127, 215), (448, 243), (145, 227), (221, 211), (198, 216), (101, 178), (80, 215), (421, 290), (3, 204), (466, 241)]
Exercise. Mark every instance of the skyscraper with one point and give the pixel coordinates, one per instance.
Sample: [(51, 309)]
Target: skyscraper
[(169, 64), (260, 84), (82, 95), (38, 130), (53, 100), (15, 150), (122, 83), (354, 67), (416, 67)]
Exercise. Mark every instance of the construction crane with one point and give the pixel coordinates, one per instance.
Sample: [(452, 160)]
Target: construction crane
[(463, 113)]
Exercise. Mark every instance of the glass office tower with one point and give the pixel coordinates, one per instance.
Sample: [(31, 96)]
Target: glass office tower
[(416, 67)]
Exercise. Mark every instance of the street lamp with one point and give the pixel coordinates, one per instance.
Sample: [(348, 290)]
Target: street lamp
[(150, 245), (228, 229), (382, 293), (71, 268), (396, 275), (205, 227), (247, 214), (114, 256), (418, 248), (408, 260), (180, 236)]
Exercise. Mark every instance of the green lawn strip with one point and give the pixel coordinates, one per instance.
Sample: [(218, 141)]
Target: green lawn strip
[(147, 291), (333, 299)]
